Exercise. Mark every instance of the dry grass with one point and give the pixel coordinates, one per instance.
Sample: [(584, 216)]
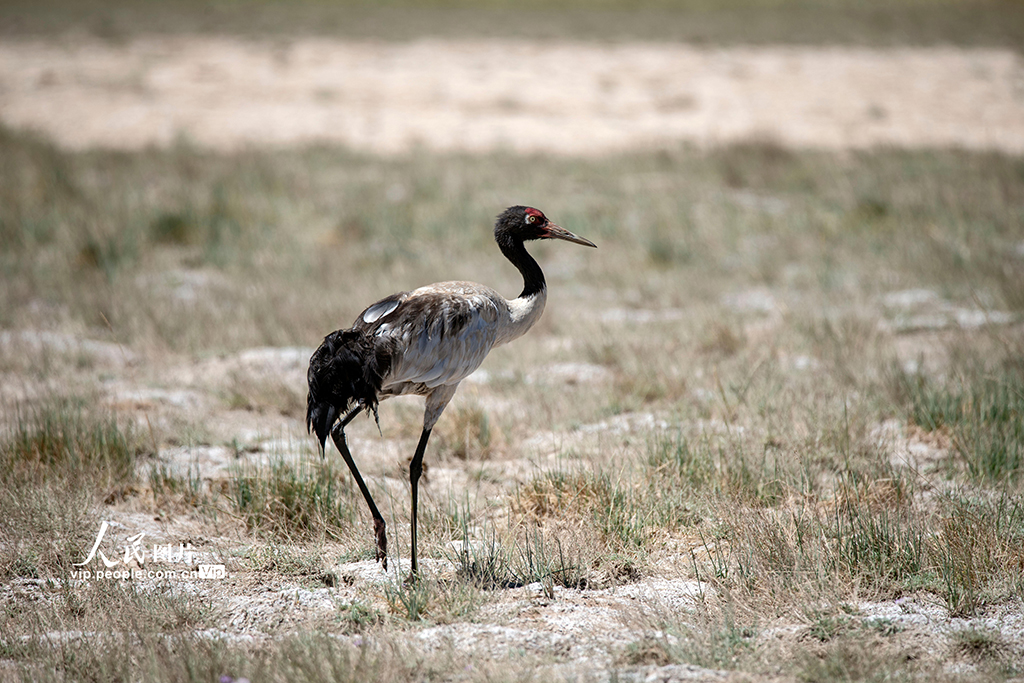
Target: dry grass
[(818, 22), (755, 409), (57, 461), (294, 502)]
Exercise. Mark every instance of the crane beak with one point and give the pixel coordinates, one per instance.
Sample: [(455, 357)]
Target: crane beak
[(557, 232)]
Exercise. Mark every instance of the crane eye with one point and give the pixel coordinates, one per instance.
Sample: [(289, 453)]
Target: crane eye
[(530, 218)]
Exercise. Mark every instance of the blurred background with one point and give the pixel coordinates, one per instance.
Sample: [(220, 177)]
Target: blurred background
[(154, 148)]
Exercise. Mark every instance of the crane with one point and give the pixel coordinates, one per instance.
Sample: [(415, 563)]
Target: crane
[(424, 342)]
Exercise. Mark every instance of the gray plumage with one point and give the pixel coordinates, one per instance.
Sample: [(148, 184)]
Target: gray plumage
[(424, 342)]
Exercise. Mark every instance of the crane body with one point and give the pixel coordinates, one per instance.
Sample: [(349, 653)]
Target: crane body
[(424, 342)]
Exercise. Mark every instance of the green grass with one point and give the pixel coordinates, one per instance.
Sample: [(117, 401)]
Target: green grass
[(285, 560), (987, 648), (357, 617), (883, 545), (189, 488), (876, 533), (45, 530)]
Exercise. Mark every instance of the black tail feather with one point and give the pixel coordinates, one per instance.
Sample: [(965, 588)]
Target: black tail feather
[(343, 373)]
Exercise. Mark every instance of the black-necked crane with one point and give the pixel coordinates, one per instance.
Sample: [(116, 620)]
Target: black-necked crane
[(424, 342)]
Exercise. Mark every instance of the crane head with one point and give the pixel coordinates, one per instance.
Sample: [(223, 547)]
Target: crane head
[(526, 223)]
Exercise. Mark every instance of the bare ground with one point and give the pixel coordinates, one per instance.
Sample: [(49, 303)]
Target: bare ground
[(567, 98)]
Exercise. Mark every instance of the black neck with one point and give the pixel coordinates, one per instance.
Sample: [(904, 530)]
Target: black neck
[(514, 251)]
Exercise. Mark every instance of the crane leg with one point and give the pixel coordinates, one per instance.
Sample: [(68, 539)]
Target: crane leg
[(415, 470), (338, 436)]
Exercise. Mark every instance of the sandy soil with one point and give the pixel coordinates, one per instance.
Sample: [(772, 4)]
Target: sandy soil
[(570, 98)]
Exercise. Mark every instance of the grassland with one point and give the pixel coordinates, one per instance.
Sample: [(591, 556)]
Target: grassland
[(770, 430), (794, 378)]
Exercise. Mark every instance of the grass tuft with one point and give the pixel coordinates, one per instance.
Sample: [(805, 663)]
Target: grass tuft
[(299, 502), (978, 550), (61, 439), (56, 462), (851, 659), (712, 640), (983, 412), (358, 617), (286, 561), (616, 509), (885, 543), (520, 555), (466, 434)]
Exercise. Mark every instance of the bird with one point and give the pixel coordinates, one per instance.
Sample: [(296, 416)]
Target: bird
[(424, 342)]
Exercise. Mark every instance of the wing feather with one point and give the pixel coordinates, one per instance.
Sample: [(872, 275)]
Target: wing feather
[(435, 335)]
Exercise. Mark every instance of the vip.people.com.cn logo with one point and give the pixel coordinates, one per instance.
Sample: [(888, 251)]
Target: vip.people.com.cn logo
[(168, 561)]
